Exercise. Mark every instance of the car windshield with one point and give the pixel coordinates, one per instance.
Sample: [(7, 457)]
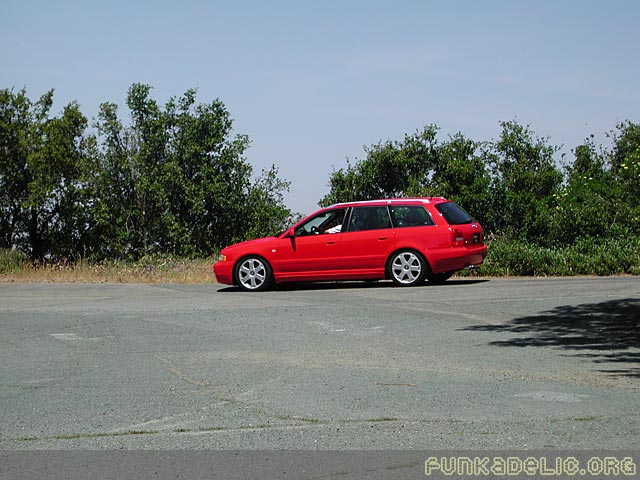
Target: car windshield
[(454, 214)]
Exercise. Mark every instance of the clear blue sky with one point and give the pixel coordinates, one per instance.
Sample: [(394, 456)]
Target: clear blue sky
[(312, 82)]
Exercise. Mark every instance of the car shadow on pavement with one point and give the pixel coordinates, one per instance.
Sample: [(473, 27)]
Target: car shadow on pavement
[(374, 284), (607, 333)]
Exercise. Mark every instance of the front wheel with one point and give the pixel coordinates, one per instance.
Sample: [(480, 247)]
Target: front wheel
[(253, 274), (407, 268)]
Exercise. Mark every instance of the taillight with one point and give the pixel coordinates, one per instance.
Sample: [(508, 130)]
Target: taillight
[(457, 238)]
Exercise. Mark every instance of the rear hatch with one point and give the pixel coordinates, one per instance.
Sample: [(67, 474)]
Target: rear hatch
[(465, 231)]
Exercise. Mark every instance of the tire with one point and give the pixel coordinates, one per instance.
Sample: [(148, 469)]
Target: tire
[(439, 278), (253, 274), (407, 268)]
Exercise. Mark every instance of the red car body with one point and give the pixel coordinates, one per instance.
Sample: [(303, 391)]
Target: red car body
[(406, 240)]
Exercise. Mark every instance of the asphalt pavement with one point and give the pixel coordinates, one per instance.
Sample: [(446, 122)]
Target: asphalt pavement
[(473, 364)]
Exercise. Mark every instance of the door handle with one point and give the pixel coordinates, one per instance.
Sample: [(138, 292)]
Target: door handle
[(331, 243), (382, 239)]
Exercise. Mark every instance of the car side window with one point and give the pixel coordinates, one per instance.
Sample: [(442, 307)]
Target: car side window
[(410, 216), (369, 218), (325, 222)]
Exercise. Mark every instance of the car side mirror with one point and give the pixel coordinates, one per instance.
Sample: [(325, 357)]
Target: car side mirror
[(290, 233)]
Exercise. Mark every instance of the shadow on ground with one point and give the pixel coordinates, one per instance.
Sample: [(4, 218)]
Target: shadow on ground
[(607, 333), (343, 285)]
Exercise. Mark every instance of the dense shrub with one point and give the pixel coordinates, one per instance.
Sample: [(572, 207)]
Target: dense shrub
[(11, 260), (587, 256)]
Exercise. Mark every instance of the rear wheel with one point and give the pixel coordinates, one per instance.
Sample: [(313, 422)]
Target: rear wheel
[(253, 274), (407, 268)]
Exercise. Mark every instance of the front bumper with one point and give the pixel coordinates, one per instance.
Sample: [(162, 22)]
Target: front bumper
[(223, 272)]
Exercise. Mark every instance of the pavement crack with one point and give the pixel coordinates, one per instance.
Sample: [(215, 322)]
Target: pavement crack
[(180, 374)]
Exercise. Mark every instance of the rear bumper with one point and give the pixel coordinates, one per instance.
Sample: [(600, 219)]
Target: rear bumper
[(454, 259)]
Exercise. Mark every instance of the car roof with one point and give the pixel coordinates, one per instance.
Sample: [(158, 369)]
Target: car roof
[(391, 201)]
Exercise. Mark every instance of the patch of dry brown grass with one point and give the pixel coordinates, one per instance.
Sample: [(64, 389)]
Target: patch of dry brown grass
[(162, 270)]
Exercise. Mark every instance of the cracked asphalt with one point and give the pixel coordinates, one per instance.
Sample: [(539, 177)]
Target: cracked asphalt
[(472, 364)]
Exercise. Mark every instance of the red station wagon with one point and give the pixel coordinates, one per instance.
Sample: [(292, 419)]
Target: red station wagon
[(406, 240)]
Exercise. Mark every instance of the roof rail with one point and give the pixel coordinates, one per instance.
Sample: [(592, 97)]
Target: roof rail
[(389, 201)]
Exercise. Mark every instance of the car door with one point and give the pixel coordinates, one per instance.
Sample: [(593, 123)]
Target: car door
[(312, 252), (367, 241)]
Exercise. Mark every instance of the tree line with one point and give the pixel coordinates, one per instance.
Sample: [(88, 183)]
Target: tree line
[(173, 179), (513, 185)]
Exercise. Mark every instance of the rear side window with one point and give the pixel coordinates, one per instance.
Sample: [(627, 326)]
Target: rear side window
[(453, 214), (410, 216), (369, 218)]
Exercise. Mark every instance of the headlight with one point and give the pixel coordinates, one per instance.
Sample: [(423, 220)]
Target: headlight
[(222, 258)]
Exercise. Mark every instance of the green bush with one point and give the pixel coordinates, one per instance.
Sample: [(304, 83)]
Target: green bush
[(12, 261), (588, 256)]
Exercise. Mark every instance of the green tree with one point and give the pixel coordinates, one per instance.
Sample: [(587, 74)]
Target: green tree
[(460, 174), (16, 126), (417, 166), (113, 210), (599, 200), (625, 159), (44, 175), (176, 180), (265, 210), (584, 203), (526, 181), (391, 169), (210, 176)]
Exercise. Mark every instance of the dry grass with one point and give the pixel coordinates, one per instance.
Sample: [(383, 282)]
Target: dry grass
[(163, 270)]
